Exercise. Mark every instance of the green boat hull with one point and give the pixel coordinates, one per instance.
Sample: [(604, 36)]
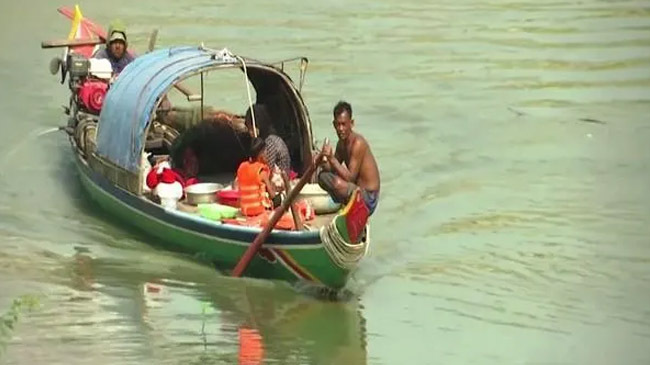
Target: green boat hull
[(287, 256)]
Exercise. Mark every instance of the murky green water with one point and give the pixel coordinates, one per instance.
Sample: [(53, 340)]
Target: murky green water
[(509, 230)]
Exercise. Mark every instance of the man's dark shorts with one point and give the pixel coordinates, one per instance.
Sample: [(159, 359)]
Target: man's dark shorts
[(370, 198)]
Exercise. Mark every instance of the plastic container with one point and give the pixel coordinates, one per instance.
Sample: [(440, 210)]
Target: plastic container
[(169, 194), (319, 199), (216, 211), (228, 197)]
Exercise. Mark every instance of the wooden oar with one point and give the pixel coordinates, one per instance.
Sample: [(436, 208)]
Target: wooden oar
[(152, 40), (294, 210), (191, 96), (70, 42), (275, 217)]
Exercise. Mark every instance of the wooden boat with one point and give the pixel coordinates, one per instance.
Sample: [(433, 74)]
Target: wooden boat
[(108, 145)]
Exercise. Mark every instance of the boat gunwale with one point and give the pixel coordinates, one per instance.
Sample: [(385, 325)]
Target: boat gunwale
[(228, 233)]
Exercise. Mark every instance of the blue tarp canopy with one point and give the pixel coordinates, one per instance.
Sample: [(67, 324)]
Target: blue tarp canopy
[(129, 103)]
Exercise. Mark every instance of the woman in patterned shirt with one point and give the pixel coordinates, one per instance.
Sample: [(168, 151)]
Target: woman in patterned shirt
[(275, 152)]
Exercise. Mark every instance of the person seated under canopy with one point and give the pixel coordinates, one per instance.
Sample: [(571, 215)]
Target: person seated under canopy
[(276, 152)]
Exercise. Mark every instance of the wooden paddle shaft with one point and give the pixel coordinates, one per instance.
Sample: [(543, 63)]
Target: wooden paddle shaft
[(275, 217), (294, 210), (182, 88), (152, 40), (70, 42)]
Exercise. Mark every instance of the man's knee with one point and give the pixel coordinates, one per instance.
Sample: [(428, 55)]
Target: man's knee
[(326, 180), (320, 180)]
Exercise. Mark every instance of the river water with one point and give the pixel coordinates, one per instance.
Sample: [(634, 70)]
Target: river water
[(513, 227)]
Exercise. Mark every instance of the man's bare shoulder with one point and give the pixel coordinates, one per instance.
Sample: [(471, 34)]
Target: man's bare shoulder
[(359, 143)]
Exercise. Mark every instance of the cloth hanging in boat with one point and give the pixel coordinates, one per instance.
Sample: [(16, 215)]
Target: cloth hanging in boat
[(155, 175), (356, 215)]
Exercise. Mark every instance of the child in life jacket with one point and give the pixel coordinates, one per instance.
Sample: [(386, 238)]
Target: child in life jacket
[(254, 181)]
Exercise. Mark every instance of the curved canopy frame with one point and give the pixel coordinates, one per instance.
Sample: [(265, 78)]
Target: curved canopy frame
[(130, 103)]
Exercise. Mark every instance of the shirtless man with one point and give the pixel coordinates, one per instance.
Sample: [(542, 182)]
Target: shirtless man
[(360, 169)]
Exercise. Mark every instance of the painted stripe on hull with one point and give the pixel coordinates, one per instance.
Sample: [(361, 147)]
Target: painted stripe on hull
[(292, 265)]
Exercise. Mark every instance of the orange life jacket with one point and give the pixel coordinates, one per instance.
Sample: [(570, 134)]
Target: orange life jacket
[(252, 190)]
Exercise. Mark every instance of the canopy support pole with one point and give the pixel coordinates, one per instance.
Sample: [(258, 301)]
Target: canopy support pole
[(201, 95)]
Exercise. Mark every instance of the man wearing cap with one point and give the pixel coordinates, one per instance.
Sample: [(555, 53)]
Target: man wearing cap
[(116, 45)]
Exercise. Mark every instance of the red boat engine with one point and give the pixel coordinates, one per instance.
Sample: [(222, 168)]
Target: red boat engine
[(91, 94)]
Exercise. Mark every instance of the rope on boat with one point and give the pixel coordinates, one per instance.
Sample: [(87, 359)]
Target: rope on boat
[(344, 254), (248, 90)]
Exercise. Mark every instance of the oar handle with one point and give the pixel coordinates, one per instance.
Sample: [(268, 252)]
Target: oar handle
[(70, 42), (275, 217), (152, 40), (191, 96)]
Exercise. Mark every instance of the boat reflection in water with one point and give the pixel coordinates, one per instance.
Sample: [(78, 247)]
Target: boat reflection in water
[(192, 315)]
